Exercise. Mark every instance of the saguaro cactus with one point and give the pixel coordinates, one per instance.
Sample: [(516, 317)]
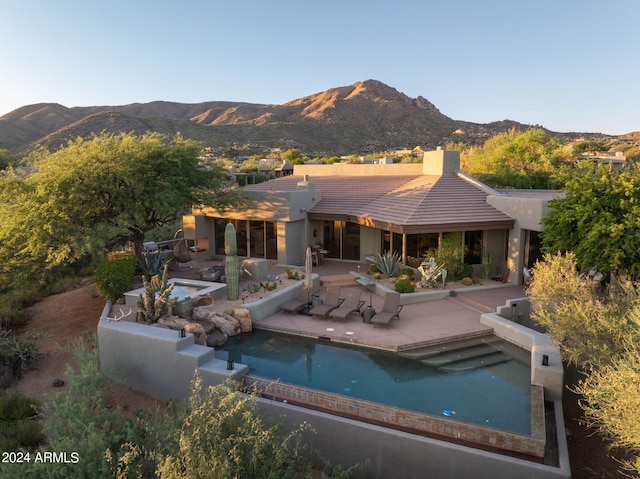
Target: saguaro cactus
[(231, 269)]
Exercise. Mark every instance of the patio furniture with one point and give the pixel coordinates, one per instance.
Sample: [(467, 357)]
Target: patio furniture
[(390, 309), (331, 301), (351, 304), (298, 304)]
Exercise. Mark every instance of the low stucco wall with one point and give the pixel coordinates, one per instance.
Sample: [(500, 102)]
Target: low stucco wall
[(268, 305), (391, 453), (156, 360), (551, 376)]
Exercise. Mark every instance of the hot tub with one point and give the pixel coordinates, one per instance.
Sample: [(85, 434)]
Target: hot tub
[(183, 288)]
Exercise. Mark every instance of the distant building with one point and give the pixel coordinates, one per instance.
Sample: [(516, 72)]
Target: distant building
[(614, 159)]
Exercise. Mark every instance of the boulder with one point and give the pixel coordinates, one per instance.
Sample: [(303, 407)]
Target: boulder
[(216, 338), (205, 300), (172, 322), (202, 313), (243, 315), (224, 322), (198, 332), (210, 274), (208, 325)]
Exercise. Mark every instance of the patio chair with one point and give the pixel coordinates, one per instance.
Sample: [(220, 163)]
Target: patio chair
[(390, 309), (331, 301), (351, 304), (298, 304)]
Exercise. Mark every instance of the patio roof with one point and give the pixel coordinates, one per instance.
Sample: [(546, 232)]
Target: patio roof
[(399, 203)]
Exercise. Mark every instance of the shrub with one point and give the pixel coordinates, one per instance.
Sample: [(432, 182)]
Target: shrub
[(21, 434), (405, 286), (18, 428), (14, 407), (17, 353), (410, 272), (114, 276)]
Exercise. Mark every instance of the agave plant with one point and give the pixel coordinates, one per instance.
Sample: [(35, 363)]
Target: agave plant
[(388, 263)]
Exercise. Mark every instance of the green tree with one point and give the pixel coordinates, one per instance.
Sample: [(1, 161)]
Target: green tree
[(93, 194), (291, 155), (598, 219), (514, 159), (6, 159)]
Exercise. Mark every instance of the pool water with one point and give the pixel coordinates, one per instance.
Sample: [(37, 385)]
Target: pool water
[(181, 292), (496, 396)]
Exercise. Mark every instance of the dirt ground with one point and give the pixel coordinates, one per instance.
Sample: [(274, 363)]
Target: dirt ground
[(55, 320)]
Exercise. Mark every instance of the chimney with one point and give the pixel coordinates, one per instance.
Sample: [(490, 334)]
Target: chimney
[(441, 162)]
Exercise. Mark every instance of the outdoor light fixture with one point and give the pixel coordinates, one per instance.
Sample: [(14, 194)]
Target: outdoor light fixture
[(183, 333), (514, 307), (545, 360), (229, 364)]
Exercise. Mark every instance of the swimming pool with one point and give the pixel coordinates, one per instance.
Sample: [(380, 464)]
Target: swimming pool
[(494, 396)]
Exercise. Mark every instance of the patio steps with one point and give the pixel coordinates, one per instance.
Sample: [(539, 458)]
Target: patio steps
[(475, 363), (338, 280), (418, 354)]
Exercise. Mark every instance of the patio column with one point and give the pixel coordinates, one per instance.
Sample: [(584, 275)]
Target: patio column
[(404, 248)]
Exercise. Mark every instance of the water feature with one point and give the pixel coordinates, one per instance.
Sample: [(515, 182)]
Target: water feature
[(494, 395)]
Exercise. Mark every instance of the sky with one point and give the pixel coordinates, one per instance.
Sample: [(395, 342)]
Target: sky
[(566, 65)]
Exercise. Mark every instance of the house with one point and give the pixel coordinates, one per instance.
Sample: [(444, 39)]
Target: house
[(352, 211)]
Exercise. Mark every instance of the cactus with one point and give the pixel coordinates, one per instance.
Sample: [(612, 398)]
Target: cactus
[(388, 263), (152, 306), (231, 268)]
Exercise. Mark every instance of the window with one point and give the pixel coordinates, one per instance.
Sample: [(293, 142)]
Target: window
[(473, 247)]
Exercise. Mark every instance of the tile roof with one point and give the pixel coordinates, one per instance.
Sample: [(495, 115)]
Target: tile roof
[(399, 203)]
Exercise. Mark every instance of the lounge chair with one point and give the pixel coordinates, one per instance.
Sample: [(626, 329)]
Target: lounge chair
[(298, 304), (331, 301), (351, 304), (390, 309)]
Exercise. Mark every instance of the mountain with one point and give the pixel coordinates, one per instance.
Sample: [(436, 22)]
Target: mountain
[(365, 116)]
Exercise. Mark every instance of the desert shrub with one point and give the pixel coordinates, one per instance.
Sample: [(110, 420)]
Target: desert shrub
[(18, 427), (223, 436), (450, 253), (20, 434), (14, 407), (13, 303), (114, 276), (295, 275), (78, 420), (410, 272), (17, 353), (405, 286)]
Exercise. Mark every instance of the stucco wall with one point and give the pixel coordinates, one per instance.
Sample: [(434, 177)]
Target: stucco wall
[(393, 454)]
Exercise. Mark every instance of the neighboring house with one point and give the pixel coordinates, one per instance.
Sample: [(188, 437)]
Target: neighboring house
[(614, 160), (356, 210)]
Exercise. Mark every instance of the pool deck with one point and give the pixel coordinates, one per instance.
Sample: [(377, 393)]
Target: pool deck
[(423, 324)]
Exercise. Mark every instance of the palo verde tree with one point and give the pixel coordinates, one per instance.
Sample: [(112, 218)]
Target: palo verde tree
[(95, 193), (599, 331), (598, 219)]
